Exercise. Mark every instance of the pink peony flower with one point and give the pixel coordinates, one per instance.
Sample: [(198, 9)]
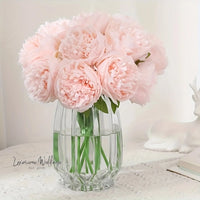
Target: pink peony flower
[(118, 75), (39, 63), (82, 43), (39, 80), (124, 34), (37, 48), (146, 79), (77, 85), (97, 20), (56, 29), (93, 53), (28, 52), (157, 56), (44, 44)]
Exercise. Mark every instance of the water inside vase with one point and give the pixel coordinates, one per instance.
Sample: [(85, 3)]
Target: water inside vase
[(89, 162)]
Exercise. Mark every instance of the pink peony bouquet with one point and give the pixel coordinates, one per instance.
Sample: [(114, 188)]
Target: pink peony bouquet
[(93, 56)]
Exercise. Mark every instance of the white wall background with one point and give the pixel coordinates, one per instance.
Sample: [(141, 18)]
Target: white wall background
[(176, 23)]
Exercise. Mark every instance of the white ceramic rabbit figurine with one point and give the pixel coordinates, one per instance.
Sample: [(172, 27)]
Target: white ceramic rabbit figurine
[(176, 136)]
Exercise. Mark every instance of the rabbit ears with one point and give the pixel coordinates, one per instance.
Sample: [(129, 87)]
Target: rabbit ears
[(196, 95)]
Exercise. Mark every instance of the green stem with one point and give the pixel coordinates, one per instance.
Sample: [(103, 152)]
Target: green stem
[(87, 159), (84, 154), (82, 146), (85, 121), (89, 164), (82, 161), (97, 153), (55, 147), (104, 157), (97, 141), (119, 140), (86, 168), (73, 153), (78, 154)]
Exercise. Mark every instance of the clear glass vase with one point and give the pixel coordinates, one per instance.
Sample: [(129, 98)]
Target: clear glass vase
[(87, 147)]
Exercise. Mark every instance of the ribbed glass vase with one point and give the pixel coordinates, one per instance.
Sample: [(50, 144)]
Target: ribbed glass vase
[(87, 147)]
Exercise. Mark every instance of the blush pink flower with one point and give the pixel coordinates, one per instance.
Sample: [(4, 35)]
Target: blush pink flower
[(44, 44), (124, 34), (39, 80), (76, 60), (118, 75), (97, 20), (37, 48), (28, 52), (146, 79), (56, 29), (82, 43), (158, 56), (37, 58), (77, 85)]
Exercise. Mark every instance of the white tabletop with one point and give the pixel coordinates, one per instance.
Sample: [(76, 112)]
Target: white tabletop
[(143, 177)]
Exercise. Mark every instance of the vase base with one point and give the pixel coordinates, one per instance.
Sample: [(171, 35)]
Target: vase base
[(76, 185)]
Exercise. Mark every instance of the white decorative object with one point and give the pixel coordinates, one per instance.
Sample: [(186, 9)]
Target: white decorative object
[(176, 136)]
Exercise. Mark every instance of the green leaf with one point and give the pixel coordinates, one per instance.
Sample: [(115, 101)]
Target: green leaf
[(101, 105), (140, 61), (148, 55), (87, 113), (114, 106)]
